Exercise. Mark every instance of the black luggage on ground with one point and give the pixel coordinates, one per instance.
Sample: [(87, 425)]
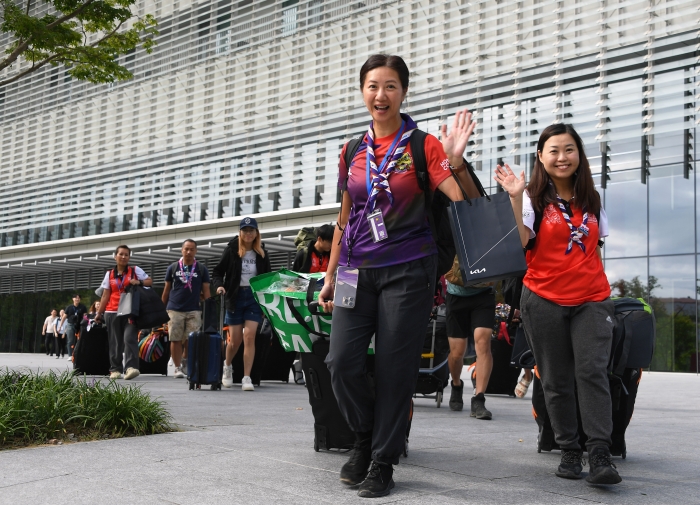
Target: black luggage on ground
[(156, 362), (263, 339), (434, 372), (503, 376), (91, 353), (331, 431), (204, 359), (632, 349), (278, 363), (622, 409)]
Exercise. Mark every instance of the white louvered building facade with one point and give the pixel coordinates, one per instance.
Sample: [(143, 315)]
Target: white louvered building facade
[(243, 107)]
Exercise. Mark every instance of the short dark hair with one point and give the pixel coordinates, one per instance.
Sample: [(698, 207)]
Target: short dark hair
[(392, 61), (325, 232), (76, 294), (122, 247), (188, 240)]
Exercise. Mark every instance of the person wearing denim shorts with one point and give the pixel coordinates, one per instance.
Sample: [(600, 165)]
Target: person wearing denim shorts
[(243, 258)]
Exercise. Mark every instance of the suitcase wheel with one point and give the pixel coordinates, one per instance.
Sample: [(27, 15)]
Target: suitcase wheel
[(316, 448), (191, 386), (405, 448), (198, 386), (624, 454), (438, 398)]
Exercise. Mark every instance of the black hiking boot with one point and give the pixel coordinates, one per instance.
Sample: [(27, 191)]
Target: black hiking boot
[(378, 482), (602, 469), (571, 464), (479, 409), (456, 402), (355, 470)]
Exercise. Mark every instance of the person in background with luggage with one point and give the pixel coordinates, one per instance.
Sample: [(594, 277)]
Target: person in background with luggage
[(123, 335), (470, 314), (397, 261), (185, 280), (243, 258), (311, 258), (59, 329), (565, 305), (47, 331), (314, 257), (73, 315)]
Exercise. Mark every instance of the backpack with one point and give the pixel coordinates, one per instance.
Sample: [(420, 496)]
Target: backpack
[(634, 336), (436, 202), (303, 240)]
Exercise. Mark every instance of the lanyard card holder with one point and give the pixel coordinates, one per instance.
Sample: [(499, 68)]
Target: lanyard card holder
[(377, 227), (346, 287)]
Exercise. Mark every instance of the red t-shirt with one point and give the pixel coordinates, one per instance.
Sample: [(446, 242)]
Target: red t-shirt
[(406, 221), (566, 279)]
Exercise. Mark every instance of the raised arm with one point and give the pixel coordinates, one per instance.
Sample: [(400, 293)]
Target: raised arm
[(514, 186)]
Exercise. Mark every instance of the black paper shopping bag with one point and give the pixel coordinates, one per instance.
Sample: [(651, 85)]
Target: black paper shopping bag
[(487, 239)]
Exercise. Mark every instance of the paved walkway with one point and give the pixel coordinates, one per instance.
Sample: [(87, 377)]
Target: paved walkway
[(257, 448)]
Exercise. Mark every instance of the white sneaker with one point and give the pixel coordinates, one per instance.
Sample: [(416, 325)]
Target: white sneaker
[(178, 373), (183, 366), (227, 379), (171, 362), (247, 384), (115, 375), (131, 373)]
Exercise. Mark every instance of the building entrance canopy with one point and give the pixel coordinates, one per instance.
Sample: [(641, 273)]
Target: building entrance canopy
[(81, 262)]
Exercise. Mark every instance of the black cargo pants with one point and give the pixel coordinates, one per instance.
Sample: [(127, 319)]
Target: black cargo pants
[(394, 304)]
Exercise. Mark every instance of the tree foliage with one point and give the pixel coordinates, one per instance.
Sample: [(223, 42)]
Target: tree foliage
[(86, 36)]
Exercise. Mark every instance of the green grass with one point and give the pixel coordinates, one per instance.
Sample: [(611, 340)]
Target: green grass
[(36, 408)]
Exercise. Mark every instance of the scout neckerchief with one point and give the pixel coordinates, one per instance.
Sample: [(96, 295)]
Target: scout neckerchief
[(576, 233), (187, 273), (377, 178), (380, 175)]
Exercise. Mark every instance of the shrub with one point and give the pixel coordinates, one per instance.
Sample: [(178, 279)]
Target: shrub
[(35, 408)]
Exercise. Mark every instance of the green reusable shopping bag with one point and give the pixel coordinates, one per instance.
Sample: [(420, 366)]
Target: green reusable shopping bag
[(284, 298)]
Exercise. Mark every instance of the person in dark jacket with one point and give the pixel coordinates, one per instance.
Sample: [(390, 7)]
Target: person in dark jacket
[(314, 257), (243, 258)]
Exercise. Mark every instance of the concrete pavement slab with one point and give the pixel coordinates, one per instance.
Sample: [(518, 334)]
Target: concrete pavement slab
[(257, 448)]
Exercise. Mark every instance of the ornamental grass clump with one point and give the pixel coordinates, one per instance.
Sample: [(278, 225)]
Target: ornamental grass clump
[(36, 408)]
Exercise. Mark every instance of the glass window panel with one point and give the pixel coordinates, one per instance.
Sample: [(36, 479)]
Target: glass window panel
[(627, 277), (673, 300), (626, 207), (671, 220)]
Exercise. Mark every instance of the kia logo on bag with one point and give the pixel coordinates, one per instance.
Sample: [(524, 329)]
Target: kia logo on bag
[(477, 271)]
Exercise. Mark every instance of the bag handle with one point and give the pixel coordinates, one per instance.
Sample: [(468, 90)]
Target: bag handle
[(300, 319), (222, 309)]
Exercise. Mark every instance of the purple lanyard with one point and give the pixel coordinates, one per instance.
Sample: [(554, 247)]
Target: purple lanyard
[(187, 276)]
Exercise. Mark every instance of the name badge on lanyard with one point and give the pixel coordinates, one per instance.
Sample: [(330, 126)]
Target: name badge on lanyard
[(377, 227)]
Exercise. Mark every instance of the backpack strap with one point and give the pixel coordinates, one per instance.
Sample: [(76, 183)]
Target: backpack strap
[(350, 151)]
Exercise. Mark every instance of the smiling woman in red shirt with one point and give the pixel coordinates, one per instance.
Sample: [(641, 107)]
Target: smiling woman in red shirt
[(565, 306)]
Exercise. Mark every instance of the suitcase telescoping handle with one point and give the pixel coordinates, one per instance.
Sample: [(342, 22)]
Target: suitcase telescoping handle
[(222, 309)]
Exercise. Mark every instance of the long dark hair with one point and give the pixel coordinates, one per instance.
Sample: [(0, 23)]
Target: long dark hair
[(542, 193)]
